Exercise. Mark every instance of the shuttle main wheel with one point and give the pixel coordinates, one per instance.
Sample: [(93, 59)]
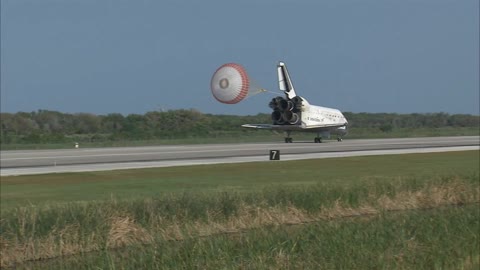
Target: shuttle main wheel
[(318, 140), (288, 140)]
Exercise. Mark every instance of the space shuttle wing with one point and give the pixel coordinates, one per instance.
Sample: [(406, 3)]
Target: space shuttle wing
[(273, 127), (293, 127), (324, 126)]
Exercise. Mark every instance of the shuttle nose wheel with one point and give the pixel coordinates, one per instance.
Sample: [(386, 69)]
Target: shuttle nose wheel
[(318, 140), (339, 139)]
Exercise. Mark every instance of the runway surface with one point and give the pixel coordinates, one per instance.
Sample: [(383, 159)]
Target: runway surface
[(93, 159)]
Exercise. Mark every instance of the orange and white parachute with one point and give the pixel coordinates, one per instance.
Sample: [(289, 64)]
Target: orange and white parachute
[(230, 83)]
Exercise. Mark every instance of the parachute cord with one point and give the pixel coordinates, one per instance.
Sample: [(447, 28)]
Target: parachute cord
[(260, 91), (272, 92)]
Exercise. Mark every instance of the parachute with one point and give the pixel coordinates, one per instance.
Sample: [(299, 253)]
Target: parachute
[(230, 83)]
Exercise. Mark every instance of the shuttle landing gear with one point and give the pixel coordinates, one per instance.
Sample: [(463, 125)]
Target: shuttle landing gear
[(318, 139), (288, 139), (339, 139)]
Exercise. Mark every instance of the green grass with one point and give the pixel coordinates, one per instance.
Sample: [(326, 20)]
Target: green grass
[(245, 177), (399, 211)]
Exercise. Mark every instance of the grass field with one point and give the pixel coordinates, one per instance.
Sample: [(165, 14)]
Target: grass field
[(398, 211)]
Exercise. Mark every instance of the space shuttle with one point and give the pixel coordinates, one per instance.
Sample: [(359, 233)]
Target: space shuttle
[(294, 113)]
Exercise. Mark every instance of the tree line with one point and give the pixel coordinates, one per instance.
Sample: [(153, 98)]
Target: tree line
[(45, 126)]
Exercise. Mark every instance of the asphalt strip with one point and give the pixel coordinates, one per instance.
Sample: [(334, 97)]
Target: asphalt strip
[(207, 161)]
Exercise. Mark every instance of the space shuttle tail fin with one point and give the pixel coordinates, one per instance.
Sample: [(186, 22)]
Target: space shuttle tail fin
[(284, 81)]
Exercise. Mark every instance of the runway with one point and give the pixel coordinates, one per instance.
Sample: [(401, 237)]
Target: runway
[(93, 159)]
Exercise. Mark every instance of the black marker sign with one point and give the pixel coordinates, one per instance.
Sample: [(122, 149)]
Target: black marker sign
[(274, 154)]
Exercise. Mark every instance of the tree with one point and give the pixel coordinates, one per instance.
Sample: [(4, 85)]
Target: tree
[(86, 123)]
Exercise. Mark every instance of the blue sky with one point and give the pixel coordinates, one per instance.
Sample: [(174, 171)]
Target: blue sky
[(134, 56)]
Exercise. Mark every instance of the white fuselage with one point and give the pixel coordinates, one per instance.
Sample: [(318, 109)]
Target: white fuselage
[(313, 115)]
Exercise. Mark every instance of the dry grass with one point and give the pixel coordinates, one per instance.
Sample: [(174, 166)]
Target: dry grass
[(455, 192), (124, 231)]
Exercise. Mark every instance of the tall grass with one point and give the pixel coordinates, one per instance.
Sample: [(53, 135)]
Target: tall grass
[(32, 233), (444, 238)]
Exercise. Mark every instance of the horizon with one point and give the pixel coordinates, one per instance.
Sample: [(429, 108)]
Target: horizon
[(190, 109)]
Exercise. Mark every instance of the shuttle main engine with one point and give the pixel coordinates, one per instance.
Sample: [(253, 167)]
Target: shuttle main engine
[(286, 112)]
